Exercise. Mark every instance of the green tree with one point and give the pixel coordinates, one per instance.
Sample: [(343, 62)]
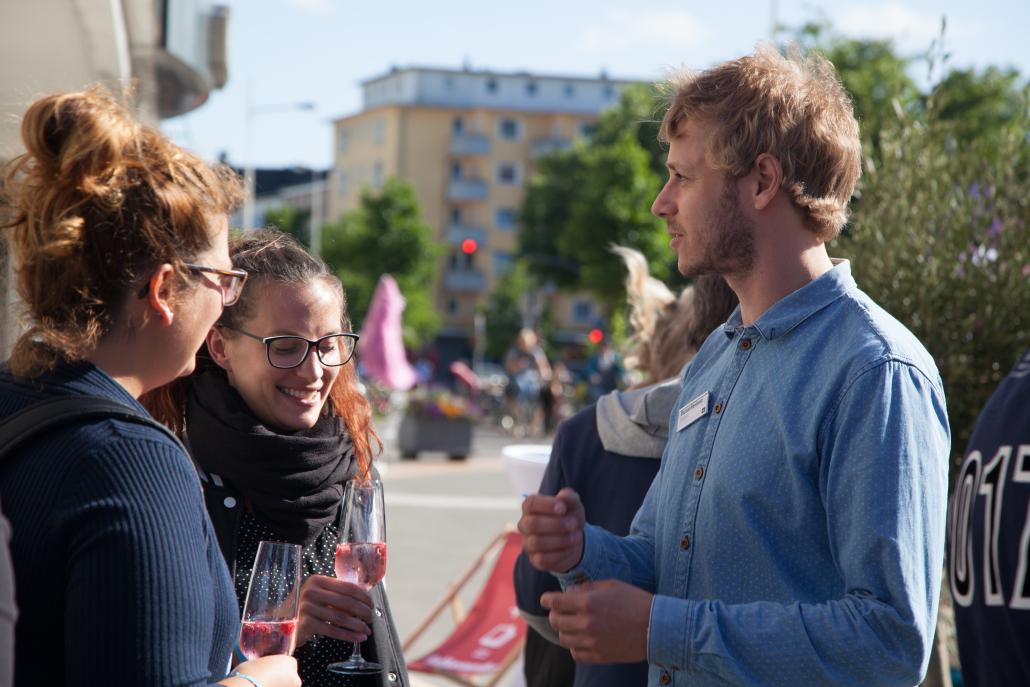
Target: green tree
[(979, 104), (291, 221), (545, 212), (580, 201), (941, 239), (638, 114), (613, 205), (503, 310), (386, 235)]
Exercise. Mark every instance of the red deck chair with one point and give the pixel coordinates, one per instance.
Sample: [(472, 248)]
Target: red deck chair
[(488, 640)]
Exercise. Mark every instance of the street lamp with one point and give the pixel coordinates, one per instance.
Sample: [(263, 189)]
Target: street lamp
[(248, 171)]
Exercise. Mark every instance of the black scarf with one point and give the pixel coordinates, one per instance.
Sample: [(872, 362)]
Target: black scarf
[(292, 482)]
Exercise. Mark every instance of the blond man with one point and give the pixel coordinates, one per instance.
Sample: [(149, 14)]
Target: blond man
[(794, 534)]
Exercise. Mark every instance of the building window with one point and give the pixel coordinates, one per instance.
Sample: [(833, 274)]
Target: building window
[(585, 129), (531, 88), (342, 140), (377, 175), (570, 90), (455, 215), (341, 182), (508, 128), (458, 126), (502, 263), (462, 262), (380, 130), (504, 218), (491, 85), (452, 306), (583, 312), (508, 173), (455, 170)]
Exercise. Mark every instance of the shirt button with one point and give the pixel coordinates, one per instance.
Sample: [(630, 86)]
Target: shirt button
[(666, 679), (392, 677), (745, 344), (699, 473), (229, 502), (685, 543), (379, 614), (718, 408)]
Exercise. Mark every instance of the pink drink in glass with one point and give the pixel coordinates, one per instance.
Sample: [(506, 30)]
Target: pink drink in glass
[(362, 563), (267, 637)]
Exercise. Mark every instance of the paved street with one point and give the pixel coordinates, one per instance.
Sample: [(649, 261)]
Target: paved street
[(440, 516)]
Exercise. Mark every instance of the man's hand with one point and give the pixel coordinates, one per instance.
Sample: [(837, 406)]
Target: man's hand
[(601, 622), (334, 608), (552, 530)]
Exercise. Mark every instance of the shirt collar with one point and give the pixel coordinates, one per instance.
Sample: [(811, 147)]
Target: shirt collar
[(795, 308)]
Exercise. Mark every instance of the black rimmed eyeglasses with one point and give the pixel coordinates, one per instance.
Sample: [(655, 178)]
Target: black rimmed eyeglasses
[(288, 351), (230, 282)]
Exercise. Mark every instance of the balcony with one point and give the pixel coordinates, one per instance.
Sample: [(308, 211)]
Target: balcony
[(545, 146), (456, 233), (467, 188), (464, 280), (469, 144)]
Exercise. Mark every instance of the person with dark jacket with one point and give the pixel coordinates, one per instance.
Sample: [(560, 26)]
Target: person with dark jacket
[(609, 452), (121, 240), (277, 424), (989, 539)]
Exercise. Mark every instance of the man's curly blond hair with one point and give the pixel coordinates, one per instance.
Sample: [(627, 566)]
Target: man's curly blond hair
[(792, 107)]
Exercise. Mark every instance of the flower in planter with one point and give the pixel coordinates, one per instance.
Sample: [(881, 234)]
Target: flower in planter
[(440, 403)]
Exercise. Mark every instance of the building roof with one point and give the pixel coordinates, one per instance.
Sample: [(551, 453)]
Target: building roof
[(602, 75)]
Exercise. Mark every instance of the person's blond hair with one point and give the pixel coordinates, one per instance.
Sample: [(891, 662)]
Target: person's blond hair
[(669, 329), (793, 107)]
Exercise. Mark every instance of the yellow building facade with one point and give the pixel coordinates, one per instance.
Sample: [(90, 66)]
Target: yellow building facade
[(466, 141)]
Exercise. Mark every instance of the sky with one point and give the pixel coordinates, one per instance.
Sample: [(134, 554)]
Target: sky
[(284, 53)]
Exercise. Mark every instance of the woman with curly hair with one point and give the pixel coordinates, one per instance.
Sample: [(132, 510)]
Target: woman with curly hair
[(277, 424), (120, 243)]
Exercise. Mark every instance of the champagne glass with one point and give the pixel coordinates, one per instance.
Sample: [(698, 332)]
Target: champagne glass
[(361, 553), (273, 601)]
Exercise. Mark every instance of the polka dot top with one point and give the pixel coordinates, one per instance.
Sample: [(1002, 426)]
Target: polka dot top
[(318, 559)]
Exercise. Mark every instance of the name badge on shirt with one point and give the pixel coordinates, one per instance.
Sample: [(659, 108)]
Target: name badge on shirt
[(692, 412)]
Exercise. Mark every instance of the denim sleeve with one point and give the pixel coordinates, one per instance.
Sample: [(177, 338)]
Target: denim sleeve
[(883, 482)]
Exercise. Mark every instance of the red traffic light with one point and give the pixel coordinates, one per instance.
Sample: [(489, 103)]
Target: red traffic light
[(595, 336), (468, 246)]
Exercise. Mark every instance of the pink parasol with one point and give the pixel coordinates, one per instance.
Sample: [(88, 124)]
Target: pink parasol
[(382, 345)]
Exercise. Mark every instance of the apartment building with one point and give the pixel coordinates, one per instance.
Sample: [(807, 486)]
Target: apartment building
[(466, 140)]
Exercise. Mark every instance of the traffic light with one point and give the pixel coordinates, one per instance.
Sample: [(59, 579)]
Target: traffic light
[(469, 246), (595, 336)]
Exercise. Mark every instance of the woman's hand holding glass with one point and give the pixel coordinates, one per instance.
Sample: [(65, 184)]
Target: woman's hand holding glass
[(361, 553), (334, 608)]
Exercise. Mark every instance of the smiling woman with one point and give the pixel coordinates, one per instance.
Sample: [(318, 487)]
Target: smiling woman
[(277, 425)]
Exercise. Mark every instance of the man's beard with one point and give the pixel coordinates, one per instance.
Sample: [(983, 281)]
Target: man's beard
[(726, 240)]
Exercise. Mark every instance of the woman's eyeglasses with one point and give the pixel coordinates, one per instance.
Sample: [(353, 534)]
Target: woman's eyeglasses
[(286, 352), (230, 282)]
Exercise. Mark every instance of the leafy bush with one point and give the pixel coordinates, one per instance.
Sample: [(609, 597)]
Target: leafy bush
[(940, 238)]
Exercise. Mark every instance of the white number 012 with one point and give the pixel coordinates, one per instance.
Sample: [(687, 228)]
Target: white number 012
[(987, 481)]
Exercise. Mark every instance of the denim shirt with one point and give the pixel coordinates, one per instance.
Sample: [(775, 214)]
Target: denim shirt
[(794, 534)]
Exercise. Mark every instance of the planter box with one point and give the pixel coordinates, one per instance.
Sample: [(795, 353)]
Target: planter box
[(423, 433)]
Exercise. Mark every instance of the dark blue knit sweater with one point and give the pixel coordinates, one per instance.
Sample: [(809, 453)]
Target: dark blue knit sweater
[(118, 574)]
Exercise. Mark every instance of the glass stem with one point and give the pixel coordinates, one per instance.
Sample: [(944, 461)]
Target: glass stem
[(355, 654)]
